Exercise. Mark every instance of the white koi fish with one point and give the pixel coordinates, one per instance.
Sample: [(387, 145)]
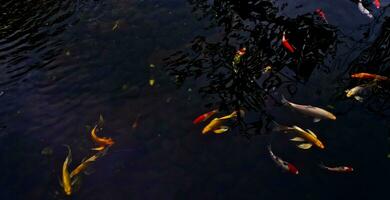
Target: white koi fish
[(317, 113), (364, 10)]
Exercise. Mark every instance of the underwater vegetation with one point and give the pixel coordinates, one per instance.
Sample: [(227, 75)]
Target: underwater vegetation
[(267, 66)]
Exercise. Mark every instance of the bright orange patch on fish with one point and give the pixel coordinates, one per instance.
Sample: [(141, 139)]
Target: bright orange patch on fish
[(369, 76), (286, 44), (103, 142)]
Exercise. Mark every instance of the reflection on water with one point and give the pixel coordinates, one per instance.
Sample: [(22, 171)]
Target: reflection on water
[(266, 67), (65, 62)]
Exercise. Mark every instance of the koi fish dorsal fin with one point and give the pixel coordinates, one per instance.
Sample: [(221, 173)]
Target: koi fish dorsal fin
[(311, 132), (298, 128)]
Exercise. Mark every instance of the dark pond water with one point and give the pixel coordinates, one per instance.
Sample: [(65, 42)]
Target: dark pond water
[(63, 63)]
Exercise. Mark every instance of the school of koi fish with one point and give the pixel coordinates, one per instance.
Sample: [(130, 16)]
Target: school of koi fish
[(304, 137), (71, 180)]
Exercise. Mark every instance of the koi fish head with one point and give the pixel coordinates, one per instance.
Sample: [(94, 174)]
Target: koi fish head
[(242, 51), (332, 117), (292, 169), (348, 169), (68, 190), (319, 144)]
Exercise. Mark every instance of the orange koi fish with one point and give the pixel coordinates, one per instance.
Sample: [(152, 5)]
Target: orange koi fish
[(204, 116), (321, 14), (369, 76), (342, 169), (283, 164), (377, 3), (103, 142), (286, 44)]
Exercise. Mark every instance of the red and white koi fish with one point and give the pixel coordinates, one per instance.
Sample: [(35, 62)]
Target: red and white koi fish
[(364, 10), (283, 164), (377, 3), (321, 14), (342, 169), (204, 117), (286, 44)]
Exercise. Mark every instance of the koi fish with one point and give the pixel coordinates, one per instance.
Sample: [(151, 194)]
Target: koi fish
[(283, 164), (317, 113), (215, 124), (204, 116), (85, 164), (369, 76), (103, 142), (238, 55), (377, 4), (66, 180), (286, 44), (364, 10), (321, 14), (342, 169), (358, 91), (305, 136)]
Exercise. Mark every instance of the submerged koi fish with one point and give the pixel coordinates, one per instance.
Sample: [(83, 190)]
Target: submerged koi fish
[(103, 142), (358, 91), (215, 124), (377, 3), (237, 57), (283, 164), (305, 136), (317, 113), (321, 14), (369, 76), (85, 164), (204, 116), (364, 10), (286, 44), (66, 180), (337, 169)]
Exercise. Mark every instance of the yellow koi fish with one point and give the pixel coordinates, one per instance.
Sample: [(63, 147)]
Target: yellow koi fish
[(85, 164), (215, 124), (305, 135), (66, 180)]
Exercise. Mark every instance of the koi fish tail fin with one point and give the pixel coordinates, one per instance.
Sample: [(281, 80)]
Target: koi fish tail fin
[(284, 100), (269, 148), (321, 165), (279, 127)]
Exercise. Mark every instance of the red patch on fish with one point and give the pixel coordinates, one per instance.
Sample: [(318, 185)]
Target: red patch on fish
[(348, 169), (321, 14), (292, 169), (377, 3), (286, 44), (204, 117)]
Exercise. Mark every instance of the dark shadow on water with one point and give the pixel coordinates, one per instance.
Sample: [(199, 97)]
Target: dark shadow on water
[(265, 69)]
